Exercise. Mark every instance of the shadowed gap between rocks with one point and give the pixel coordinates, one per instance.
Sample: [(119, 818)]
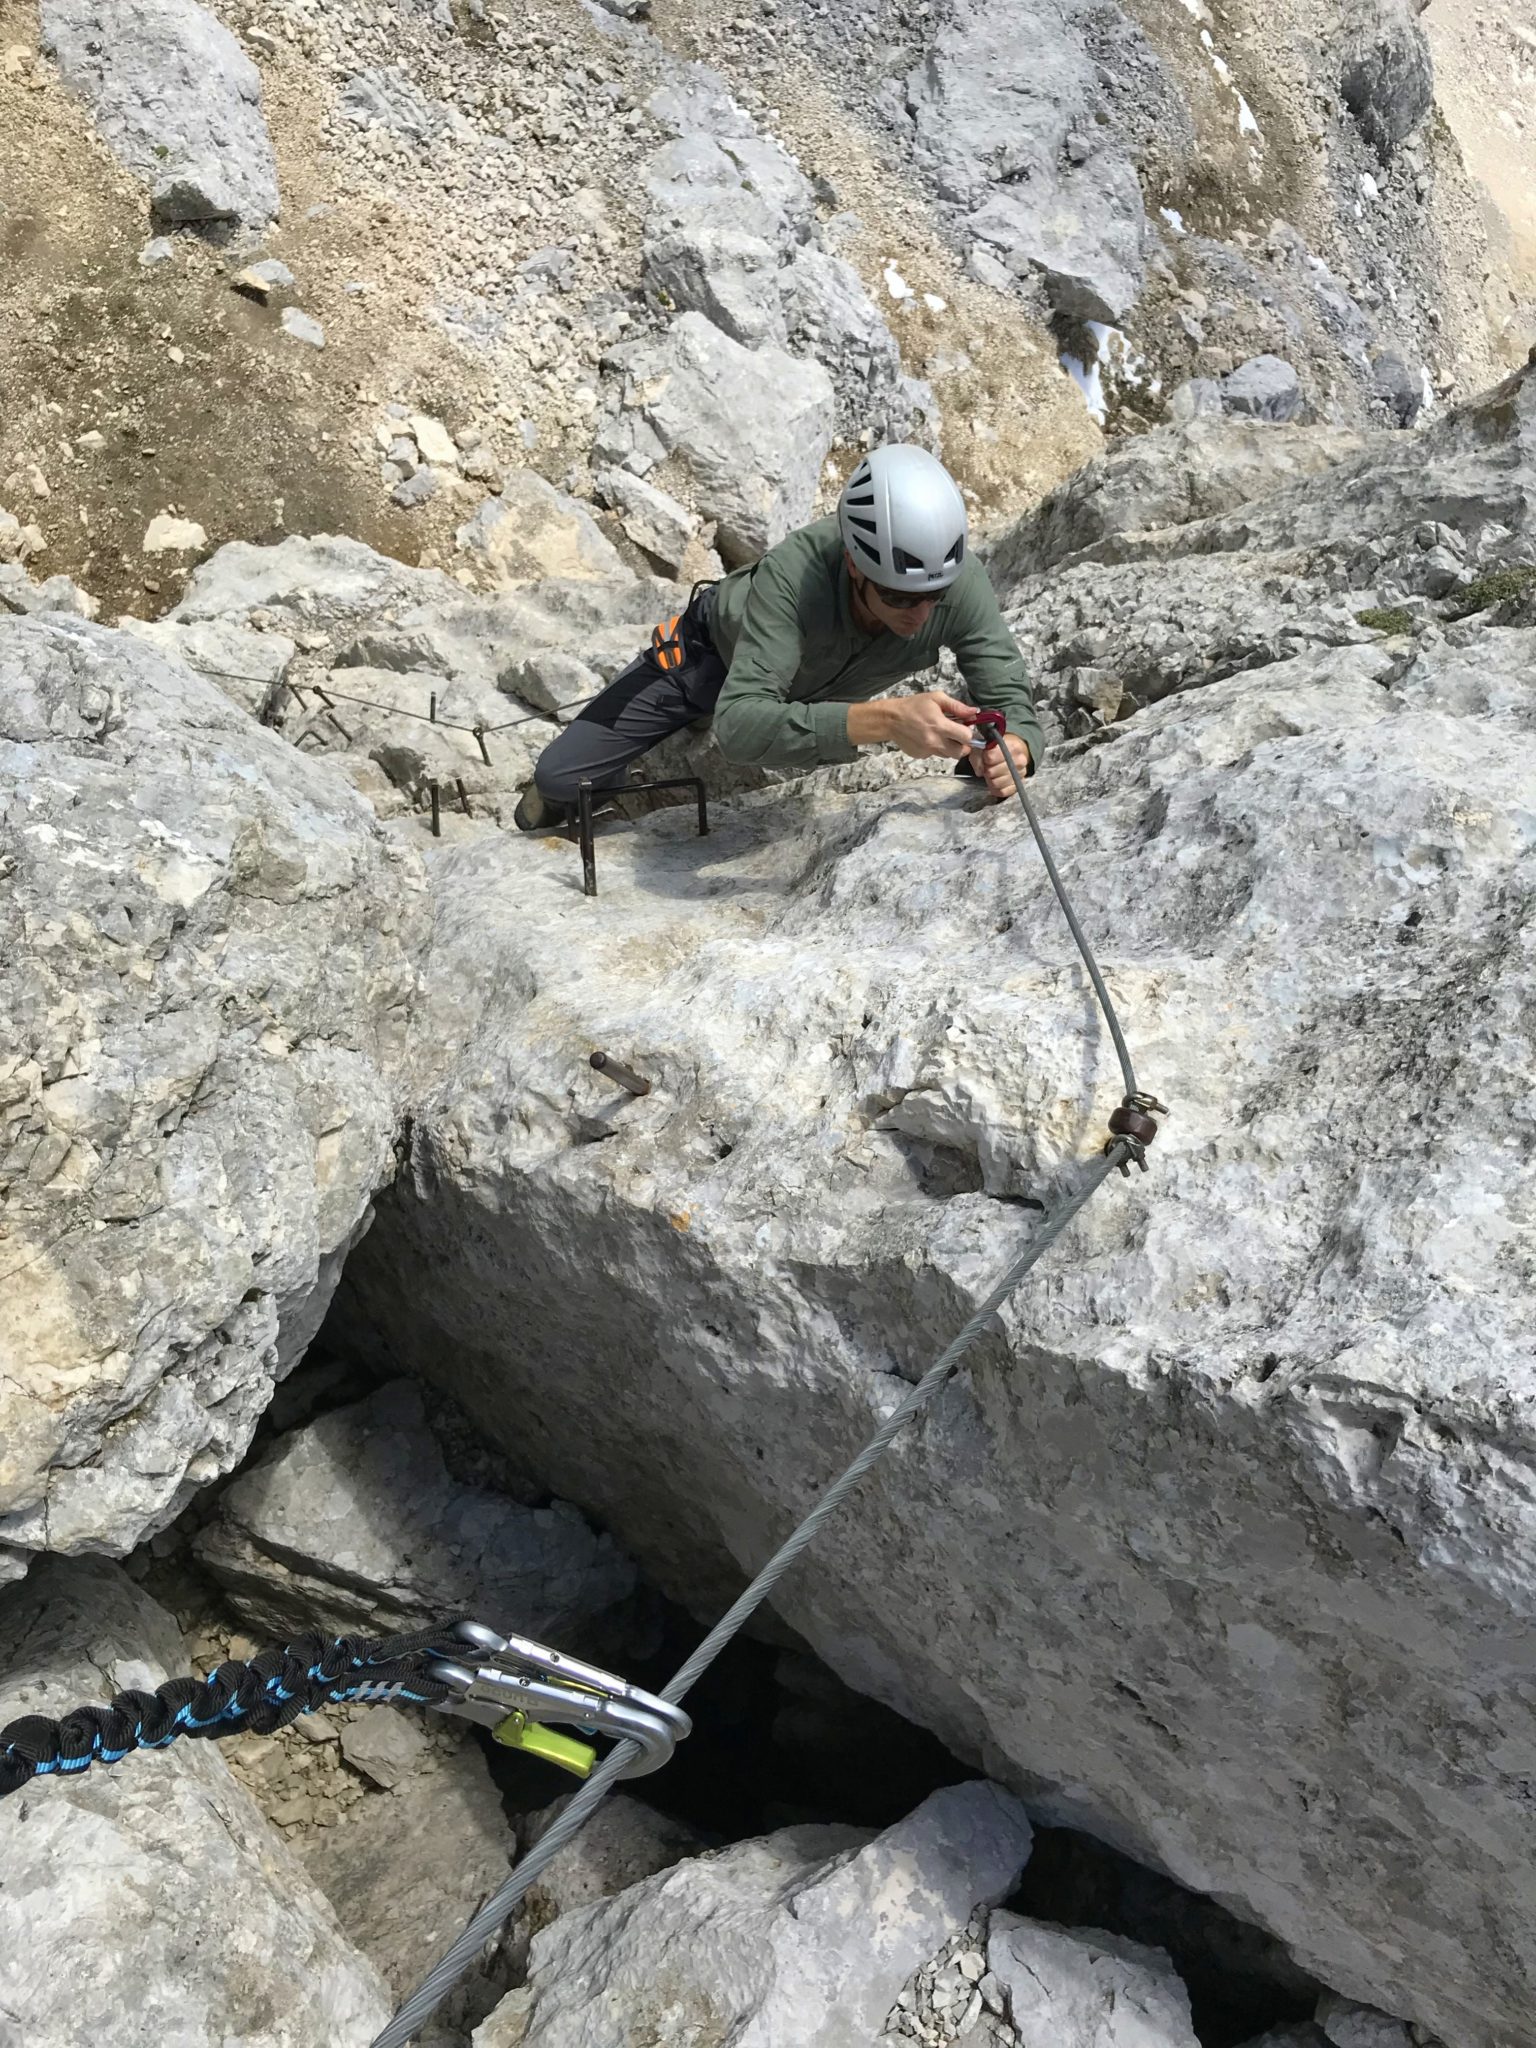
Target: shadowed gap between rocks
[(780, 1741)]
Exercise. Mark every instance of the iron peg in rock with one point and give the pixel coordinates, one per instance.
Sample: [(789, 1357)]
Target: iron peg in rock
[(617, 1071)]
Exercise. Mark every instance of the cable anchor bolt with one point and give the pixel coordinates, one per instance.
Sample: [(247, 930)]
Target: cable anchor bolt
[(524, 1692), (1132, 1124)]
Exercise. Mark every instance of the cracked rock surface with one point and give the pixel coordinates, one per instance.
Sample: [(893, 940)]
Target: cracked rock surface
[(1263, 1415), (207, 954)]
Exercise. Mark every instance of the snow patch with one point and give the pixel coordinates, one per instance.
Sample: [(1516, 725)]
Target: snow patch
[(1174, 218), (896, 284), (1112, 353), (1246, 124)]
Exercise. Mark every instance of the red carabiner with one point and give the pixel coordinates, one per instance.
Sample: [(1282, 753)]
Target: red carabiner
[(988, 728)]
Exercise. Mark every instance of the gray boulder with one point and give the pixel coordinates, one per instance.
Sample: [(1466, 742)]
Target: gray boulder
[(1265, 388), (177, 101), (834, 1199), (1080, 1988), (1399, 386), (207, 959), (321, 579), (19, 594), (749, 429), (198, 1923), (1347, 2025), (353, 1524), (806, 1936), (1386, 74)]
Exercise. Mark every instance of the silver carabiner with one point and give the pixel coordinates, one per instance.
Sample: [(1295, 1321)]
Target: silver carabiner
[(515, 1676)]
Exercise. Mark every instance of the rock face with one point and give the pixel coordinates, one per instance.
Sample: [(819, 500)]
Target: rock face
[(198, 1923), (997, 140), (1264, 1414), (206, 962), (1396, 526), (532, 532), (176, 99), (804, 1936), (354, 1525), (407, 1866), (384, 645), (733, 234)]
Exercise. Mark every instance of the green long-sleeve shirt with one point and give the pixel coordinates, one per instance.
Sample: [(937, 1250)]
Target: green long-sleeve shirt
[(797, 659)]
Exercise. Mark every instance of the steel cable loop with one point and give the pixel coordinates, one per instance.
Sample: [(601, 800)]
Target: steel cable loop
[(262, 1695)]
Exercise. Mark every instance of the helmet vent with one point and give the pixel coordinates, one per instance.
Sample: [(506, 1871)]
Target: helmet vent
[(865, 549), (957, 552)]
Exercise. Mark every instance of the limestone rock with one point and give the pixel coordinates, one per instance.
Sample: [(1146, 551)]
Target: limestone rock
[(199, 1923), (206, 963), (804, 1936), (1169, 477), (248, 667), (532, 532), (324, 578), (624, 1842), (177, 101), (1265, 1392), (354, 1525), (302, 326), (166, 535), (749, 428), (1264, 581), (732, 234), (552, 681), (19, 594), (1078, 1988)]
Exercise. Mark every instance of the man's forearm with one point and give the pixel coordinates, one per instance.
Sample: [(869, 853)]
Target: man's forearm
[(869, 725)]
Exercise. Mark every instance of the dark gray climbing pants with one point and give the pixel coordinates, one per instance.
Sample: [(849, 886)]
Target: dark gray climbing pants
[(675, 681)]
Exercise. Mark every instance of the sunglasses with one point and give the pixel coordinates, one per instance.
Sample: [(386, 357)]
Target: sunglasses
[(903, 600)]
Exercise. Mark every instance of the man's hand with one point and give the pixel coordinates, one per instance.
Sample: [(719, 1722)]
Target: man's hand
[(993, 769), (923, 727)]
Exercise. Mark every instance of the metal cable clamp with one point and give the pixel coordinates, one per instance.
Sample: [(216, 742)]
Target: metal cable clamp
[(516, 1687)]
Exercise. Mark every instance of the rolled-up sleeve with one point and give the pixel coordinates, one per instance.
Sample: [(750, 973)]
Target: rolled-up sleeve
[(756, 723), (989, 657)]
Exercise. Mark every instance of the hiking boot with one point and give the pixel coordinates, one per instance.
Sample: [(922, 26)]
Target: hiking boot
[(536, 813)]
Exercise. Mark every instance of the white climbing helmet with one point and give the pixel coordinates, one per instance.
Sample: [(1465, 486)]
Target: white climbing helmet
[(902, 519)]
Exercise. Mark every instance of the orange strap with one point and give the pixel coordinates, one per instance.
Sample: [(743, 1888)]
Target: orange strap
[(667, 643)]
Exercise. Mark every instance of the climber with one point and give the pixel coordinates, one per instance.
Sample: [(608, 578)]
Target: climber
[(791, 655)]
